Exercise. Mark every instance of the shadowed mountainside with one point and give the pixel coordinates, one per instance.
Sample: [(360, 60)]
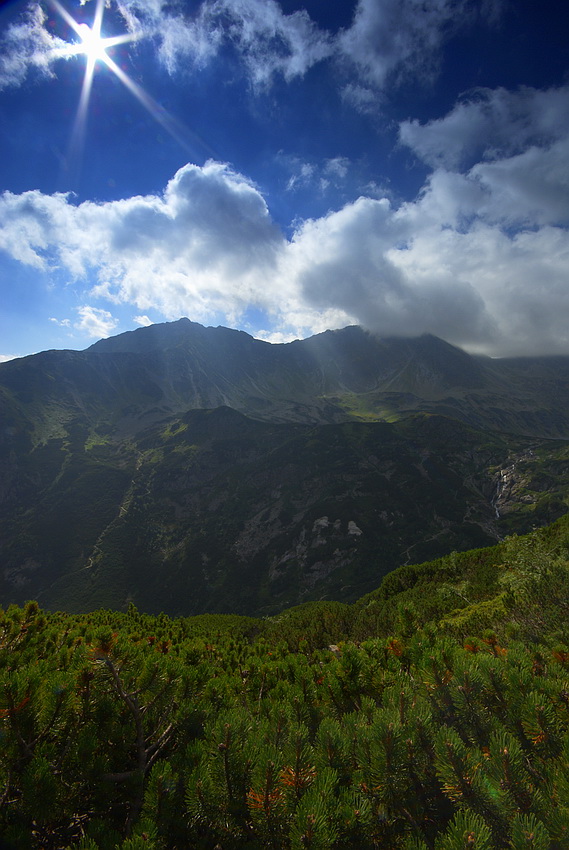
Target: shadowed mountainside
[(191, 469), (128, 381)]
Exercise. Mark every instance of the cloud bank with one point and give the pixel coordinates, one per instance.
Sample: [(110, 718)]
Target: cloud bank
[(480, 257)]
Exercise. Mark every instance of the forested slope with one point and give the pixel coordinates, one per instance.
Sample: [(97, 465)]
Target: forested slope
[(433, 713)]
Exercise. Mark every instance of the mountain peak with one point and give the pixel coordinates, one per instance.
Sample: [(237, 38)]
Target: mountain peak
[(188, 465)]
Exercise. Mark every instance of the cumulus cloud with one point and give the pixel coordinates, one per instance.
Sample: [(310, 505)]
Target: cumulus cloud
[(490, 124), (479, 258), (511, 150), (420, 269), (92, 322), (362, 260), (206, 245), (531, 188)]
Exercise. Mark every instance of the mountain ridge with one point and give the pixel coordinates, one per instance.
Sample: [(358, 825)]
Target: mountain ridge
[(192, 469), (334, 376)]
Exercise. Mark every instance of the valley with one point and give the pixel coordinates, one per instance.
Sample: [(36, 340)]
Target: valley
[(190, 469)]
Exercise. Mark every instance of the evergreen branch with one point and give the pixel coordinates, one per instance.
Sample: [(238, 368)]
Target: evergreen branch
[(49, 726), (132, 704), (121, 777), (161, 742)]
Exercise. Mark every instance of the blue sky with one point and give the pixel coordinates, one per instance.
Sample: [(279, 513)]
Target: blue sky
[(284, 168)]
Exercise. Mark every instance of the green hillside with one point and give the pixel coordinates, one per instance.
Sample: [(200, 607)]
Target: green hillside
[(432, 713), (281, 600), (190, 469), (213, 511)]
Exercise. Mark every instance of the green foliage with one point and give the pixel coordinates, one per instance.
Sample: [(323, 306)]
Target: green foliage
[(421, 725), (529, 834), (466, 832)]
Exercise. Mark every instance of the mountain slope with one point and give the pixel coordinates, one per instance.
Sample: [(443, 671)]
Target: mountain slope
[(193, 469), (124, 383), (218, 512)]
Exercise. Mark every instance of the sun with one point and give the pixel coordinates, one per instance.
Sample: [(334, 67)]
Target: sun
[(92, 45)]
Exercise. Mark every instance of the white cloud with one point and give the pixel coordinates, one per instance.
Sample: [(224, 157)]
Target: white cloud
[(490, 124), (95, 322), (268, 41), (400, 38), (303, 176), (479, 258), (181, 41), (331, 173), (387, 41), (404, 272), (531, 188), (179, 38), (351, 260), (503, 157), (337, 166), (274, 337), (30, 228), (362, 98), (143, 321), (206, 245), (271, 42), (27, 44), (5, 357)]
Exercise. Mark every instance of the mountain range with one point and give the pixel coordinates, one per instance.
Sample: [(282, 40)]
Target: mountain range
[(191, 469)]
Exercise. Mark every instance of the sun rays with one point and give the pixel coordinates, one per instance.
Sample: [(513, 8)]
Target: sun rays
[(93, 45)]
